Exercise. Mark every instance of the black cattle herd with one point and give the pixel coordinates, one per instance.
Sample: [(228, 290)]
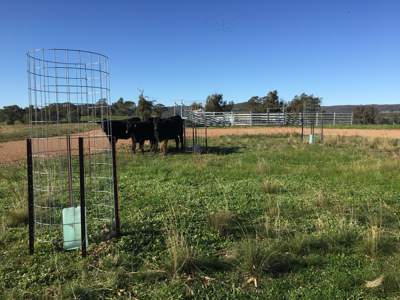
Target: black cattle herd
[(155, 130)]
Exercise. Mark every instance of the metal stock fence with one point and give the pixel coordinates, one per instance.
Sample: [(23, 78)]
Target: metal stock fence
[(267, 119)]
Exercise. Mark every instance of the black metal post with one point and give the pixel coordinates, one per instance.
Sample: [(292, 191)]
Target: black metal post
[(82, 194), (193, 128), (184, 135), (30, 197), (196, 140), (115, 181)]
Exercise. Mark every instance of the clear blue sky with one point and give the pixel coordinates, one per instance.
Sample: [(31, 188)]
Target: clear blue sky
[(346, 51)]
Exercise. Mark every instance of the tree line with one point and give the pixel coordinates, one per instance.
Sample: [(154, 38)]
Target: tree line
[(69, 112), (145, 108), (262, 104)]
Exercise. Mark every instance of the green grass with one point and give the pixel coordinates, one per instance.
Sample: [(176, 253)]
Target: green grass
[(276, 219)]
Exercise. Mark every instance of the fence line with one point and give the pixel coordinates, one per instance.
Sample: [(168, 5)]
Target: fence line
[(273, 119)]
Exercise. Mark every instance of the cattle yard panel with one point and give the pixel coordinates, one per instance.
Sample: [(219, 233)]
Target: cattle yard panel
[(71, 163), (195, 132), (223, 119)]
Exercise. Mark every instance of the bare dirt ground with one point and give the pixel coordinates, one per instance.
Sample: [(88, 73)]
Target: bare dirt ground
[(16, 150)]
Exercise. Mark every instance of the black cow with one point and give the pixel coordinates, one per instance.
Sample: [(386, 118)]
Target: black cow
[(168, 129), (140, 132), (117, 129)]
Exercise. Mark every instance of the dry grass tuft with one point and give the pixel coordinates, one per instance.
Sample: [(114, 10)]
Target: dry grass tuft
[(222, 221), (272, 186), (181, 256)]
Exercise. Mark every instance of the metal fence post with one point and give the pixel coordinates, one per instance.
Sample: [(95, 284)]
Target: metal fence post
[(115, 181), (82, 196), (30, 197), (334, 118)]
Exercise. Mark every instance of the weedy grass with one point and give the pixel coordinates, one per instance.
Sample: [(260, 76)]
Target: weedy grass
[(272, 186), (256, 218), (17, 217), (222, 221)]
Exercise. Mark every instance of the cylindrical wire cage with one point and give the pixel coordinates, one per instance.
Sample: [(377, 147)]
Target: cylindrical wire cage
[(312, 122), (195, 132), (69, 94)]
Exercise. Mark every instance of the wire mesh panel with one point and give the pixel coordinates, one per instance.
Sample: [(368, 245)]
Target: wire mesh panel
[(68, 94), (196, 133)]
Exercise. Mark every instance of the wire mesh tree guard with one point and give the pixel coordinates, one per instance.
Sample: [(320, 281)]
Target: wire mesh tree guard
[(72, 182), (312, 122), (196, 139)]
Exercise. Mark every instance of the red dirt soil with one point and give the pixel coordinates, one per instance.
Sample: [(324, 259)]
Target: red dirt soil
[(16, 150)]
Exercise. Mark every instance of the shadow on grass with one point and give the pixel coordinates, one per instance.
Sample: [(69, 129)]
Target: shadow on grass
[(222, 150), (211, 150)]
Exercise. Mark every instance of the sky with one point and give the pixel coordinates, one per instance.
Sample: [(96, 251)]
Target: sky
[(345, 51)]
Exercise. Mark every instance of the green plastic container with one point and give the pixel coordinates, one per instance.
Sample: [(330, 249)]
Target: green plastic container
[(311, 139), (71, 218)]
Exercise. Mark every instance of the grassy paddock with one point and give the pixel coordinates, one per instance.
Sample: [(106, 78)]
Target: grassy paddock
[(257, 218), (22, 131), (365, 126)]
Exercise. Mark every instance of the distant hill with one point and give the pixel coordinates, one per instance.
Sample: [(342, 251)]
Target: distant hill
[(349, 108)]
